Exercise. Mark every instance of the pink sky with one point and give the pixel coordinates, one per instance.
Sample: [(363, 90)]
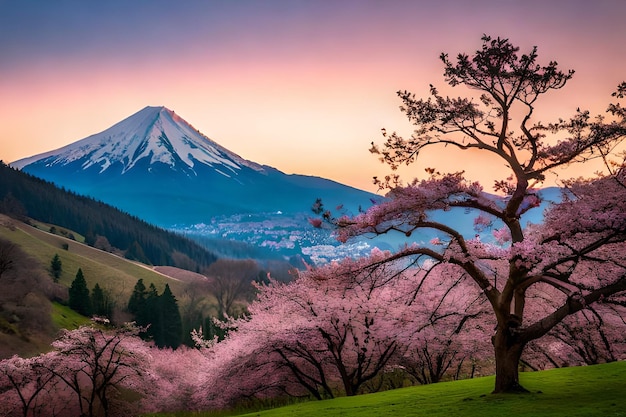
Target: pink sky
[(303, 86)]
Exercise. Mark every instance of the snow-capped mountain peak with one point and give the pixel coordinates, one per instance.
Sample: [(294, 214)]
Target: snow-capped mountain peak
[(157, 166), (153, 135)]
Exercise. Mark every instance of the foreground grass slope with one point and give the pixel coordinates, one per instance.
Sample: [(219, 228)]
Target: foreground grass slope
[(588, 391), (578, 391)]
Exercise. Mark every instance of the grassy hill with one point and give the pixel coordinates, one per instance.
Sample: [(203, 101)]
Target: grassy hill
[(113, 273), (26, 197), (588, 391), (110, 271)]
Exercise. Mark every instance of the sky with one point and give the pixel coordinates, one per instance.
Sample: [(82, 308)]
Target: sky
[(303, 86)]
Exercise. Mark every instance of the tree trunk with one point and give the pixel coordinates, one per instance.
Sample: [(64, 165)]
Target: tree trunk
[(508, 351)]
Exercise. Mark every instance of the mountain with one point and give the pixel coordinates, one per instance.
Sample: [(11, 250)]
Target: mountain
[(155, 133), (158, 167)]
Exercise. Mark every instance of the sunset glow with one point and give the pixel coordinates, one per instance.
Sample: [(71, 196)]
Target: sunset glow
[(300, 86)]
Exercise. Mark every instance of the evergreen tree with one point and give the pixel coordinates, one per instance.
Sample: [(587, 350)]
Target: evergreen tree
[(10, 205), (56, 267), (170, 329), (137, 300), (159, 313), (149, 314), (136, 253), (79, 295), (211, 329), (101, 302)]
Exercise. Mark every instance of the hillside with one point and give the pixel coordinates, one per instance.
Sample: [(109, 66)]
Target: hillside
[(116, 275), (98, 266), (22, 196)]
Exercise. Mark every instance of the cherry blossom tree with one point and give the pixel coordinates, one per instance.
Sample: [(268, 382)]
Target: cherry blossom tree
[(591, 336), (244, 366), (175, 378), (24, 384), (84, 375), (454, 339), (360, 325), (342, 325), (579, 250), (97, 365), (319, 334)]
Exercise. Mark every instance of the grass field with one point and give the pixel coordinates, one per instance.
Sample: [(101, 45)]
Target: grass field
[(589, 391), (112, 272), (64, 317)]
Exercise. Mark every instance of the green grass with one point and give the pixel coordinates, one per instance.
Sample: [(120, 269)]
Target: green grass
[(62, 231), (64, 317), (589, 391), (112, 272)]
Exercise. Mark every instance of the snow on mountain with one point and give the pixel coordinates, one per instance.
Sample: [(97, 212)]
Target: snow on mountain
[(154, 134)]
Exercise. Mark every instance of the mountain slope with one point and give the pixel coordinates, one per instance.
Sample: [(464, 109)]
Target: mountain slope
[(157, 166), (24, 195), (26, 289)]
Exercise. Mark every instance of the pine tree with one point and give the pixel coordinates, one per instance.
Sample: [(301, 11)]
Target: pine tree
[(136, 253), (170, 328), (149, 314), (159, 313), (211, 329), (56, 267), (79, 295), (137, 300), (101, 302)]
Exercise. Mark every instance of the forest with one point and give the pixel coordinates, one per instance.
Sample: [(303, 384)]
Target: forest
[(25, 196), (536, 296)]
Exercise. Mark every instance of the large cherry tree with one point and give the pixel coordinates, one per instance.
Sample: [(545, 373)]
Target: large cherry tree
[(97, 366), (578, 251)]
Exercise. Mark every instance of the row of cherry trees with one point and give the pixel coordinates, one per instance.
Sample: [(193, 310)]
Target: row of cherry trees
[(335, 330), (341, 329)]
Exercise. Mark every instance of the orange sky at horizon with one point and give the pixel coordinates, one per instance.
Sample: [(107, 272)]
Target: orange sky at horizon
[(305, 92)]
